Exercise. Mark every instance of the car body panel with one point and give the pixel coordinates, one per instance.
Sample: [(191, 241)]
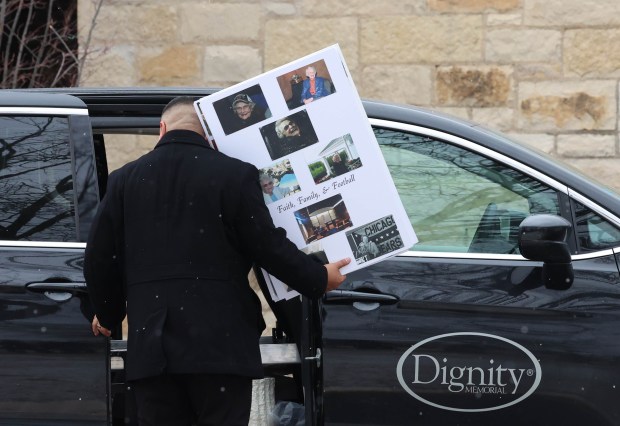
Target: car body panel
[(571, 333)]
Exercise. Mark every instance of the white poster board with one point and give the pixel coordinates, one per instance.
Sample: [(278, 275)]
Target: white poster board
[(324, 178)]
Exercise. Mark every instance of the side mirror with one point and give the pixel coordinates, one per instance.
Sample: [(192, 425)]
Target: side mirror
[(542, 237)]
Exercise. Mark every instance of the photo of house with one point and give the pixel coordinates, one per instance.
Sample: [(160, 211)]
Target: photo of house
[(337, 158)]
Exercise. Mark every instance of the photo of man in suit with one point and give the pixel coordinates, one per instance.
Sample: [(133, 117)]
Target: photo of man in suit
[(314, 87), (171, 246)]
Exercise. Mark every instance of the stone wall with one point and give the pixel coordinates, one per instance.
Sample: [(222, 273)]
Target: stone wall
[(543, 71)]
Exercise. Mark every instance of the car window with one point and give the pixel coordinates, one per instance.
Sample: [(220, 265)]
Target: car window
[(458, 200), (36, 187), (593, 231)]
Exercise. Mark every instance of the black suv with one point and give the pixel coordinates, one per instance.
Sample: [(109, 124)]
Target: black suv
[(505, 312)]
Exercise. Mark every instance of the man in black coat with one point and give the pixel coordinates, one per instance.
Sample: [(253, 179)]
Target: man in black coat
[(171, 246)]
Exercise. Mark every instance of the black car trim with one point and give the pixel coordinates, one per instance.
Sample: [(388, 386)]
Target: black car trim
[(53, 286), (359, 295), (43, 111), (42, 244), (594, 255), (463, 255), (593, 206), (410, 253), (492, 256)]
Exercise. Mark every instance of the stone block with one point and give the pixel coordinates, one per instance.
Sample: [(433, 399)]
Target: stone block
[(586, 145), (205, 22), (408, 84), (290, 39), (284, 9), (503, 19), (362, 7), (144, 143), (500, 119), (587, 52), (421, 39), (539, 141), (230, 64), (470, 86), (86, 15), (603, 170), (567, 105), (140, 23), (523, 45), (121, 149), (580, 13), (268, 315), (172, 66), (538, 71), (113, 67), (462, 113), (473, 6)]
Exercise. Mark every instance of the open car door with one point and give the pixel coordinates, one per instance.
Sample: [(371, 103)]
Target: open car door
[(54, 371)]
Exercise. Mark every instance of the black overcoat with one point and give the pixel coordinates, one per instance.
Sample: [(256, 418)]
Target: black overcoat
[(173, 241)]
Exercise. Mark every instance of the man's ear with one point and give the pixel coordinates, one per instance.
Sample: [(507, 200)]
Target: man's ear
[(162, 128)]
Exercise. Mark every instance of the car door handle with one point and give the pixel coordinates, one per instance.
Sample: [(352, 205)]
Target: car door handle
[(350, 296), (58, 287)]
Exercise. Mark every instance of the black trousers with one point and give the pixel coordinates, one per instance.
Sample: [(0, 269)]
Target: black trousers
[(193, 399)]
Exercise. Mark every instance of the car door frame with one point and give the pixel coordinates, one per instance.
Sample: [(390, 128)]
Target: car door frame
[(47, 321)]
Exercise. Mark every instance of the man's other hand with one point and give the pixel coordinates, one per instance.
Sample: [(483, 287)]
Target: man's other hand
[(334, 277), (99, 329)]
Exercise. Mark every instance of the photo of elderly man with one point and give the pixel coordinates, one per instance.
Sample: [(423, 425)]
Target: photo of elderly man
[(314, 87), (306, 84), (289, 134)]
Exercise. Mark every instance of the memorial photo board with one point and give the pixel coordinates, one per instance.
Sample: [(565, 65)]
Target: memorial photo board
[(323, 176)]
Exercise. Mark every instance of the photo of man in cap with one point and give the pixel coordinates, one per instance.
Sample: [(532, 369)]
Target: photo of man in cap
[(242, 110)]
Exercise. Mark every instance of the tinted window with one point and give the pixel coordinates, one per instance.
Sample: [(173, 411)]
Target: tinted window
[(594, 232), (36, 188), (458, 200)]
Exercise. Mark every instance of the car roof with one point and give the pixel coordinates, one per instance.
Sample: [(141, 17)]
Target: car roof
[(140, 107), (23, 99)]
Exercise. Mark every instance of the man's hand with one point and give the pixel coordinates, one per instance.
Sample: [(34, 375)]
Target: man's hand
[(334, 277), (99, 329)]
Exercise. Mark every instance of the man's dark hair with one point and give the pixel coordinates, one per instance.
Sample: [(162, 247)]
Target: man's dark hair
[(179, 100)]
